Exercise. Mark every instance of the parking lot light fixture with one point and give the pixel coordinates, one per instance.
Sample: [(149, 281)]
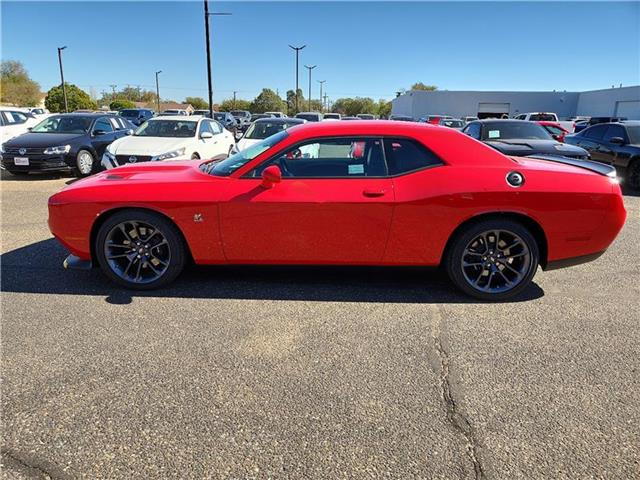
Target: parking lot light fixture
[(158, 90), (310, 68), (297, 50), (207, 14), (64, 88)]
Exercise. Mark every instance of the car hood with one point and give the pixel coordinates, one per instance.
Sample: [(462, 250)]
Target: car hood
[(41, 140), (531, 147), (133, 145)]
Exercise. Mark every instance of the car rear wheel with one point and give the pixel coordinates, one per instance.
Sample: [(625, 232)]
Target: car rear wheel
[(84, 163), (492, 259), (140, 249)]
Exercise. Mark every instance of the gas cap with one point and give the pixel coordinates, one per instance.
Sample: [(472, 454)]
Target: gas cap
[(515, 179)]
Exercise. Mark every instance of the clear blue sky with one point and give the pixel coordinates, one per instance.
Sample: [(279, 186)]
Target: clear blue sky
[(361, 48)]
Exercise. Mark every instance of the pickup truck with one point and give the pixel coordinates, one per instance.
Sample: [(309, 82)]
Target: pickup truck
[(546, 117)]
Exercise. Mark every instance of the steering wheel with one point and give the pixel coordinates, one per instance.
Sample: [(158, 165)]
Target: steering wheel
[(282, 163)]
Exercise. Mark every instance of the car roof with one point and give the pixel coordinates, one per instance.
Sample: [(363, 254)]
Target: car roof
[(308, 113), (279, 120), (502, 120), (188, 118), (630, 123), (363, 127)]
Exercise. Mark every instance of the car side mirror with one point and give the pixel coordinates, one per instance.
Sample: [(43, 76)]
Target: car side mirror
[(556, 136), (98, 132), (206, 135), (129, 132), (271, 175), (617, 140)]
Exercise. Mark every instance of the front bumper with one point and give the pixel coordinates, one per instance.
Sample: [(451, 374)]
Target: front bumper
[(37, 163)]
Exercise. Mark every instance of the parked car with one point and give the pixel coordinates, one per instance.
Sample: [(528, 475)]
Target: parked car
[(331, 116), (469, 118), (569, 126), (137, 116), (489, 221), (243, 117), (228, 121), (434, 119), (401, 118), (310, 116), (263, 128), (174, 111), (204, 113), (257, 116), (451, 123), (66, 142), (170, 138), (352, 118), (556, 130), (520, 138), (366, 116), (616, 144), (277, 114), (596, 120), (38, 112), (14, 122)]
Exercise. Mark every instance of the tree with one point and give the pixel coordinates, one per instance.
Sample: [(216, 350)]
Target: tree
[(268, 101), (120, 103), (354, 106), (77, 99), (422, 86), (291, 102), (17, 88), (384, 108), (239, 104), (198, 103)]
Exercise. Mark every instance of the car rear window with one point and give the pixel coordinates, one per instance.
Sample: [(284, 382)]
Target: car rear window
[(404, 155)]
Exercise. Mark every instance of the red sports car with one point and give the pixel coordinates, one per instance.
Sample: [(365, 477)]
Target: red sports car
[(349, 193)]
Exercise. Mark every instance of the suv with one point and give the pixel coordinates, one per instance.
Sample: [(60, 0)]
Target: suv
[(310, 116), (137, 116), (243, 117), (228, 121)]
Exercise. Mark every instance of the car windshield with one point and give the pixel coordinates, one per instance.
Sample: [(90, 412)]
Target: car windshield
[(634, 134), (219, 116), (130, 113), (167, 128), (231, 164), (514, 130), (311, 117), (264, 129), (63, 124), (543, 117)]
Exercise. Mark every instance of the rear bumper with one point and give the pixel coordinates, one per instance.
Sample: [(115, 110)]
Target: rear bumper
[(570, 262)]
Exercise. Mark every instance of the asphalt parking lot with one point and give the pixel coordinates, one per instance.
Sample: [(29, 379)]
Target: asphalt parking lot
[(313, 372)]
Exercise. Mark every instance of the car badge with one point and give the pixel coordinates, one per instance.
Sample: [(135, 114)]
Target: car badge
[(22, 151), (515, 179), (133, 159)]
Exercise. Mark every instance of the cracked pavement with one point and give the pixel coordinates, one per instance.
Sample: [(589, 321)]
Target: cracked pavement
[(313, 372)]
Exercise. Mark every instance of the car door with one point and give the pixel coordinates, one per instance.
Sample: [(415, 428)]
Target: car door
[(613, 153), (102, 134), (591, 140), (208, 147), (333, 205)]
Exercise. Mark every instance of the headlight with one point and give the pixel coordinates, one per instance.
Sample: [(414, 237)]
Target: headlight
[(165, 156), (57, 150)]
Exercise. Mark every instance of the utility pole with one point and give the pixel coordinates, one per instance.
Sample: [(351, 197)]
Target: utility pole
[(321, 82), (310, 68), (297, 49), (207, 39), (326, 104), (158, 91), (64, 88), (234, 99)]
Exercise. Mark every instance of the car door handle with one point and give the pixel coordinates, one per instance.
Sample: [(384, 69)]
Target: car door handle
[(373, 193)]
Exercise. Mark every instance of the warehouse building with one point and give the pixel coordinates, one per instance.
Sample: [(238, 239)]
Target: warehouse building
[(617, 102)]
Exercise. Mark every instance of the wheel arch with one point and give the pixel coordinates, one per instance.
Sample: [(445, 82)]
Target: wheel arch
[(104, 216), (532, 225)]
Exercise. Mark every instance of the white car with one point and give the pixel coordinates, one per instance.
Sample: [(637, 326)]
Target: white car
[(170, 138), (263, 128), (15, 122), (569, 126), (174, 111), (276, 114), (331, 116)]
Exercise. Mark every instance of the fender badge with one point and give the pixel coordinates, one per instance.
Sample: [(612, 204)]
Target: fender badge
[(198, 218)]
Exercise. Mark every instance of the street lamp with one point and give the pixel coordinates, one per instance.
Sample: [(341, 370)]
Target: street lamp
[(206, 30), (64, 89), (321, 82), (158, 90), (310, 68), (297, 49)]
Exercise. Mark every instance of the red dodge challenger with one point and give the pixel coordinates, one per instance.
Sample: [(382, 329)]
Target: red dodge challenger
[(346, 193)]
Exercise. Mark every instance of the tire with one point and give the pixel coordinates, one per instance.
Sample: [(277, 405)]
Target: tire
[(632, 179), (157, 254), (83, 168), (491, 273)]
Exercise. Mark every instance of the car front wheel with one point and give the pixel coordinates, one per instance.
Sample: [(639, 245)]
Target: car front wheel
[(492, 259), (84, 163), (140, 250)]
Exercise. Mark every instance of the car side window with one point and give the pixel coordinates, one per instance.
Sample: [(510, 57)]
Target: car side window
[(614, 131), (103, 124), (204, 127), (216, 128), (404, 155), (331, 158), (473, 130), (14, 118), (596, 132)]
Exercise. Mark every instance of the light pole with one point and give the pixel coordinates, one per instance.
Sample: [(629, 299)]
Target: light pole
[(206, 30), (321, 82), (297, 49), (158, 90), (310, 68), (234, 99), (64, 89)]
